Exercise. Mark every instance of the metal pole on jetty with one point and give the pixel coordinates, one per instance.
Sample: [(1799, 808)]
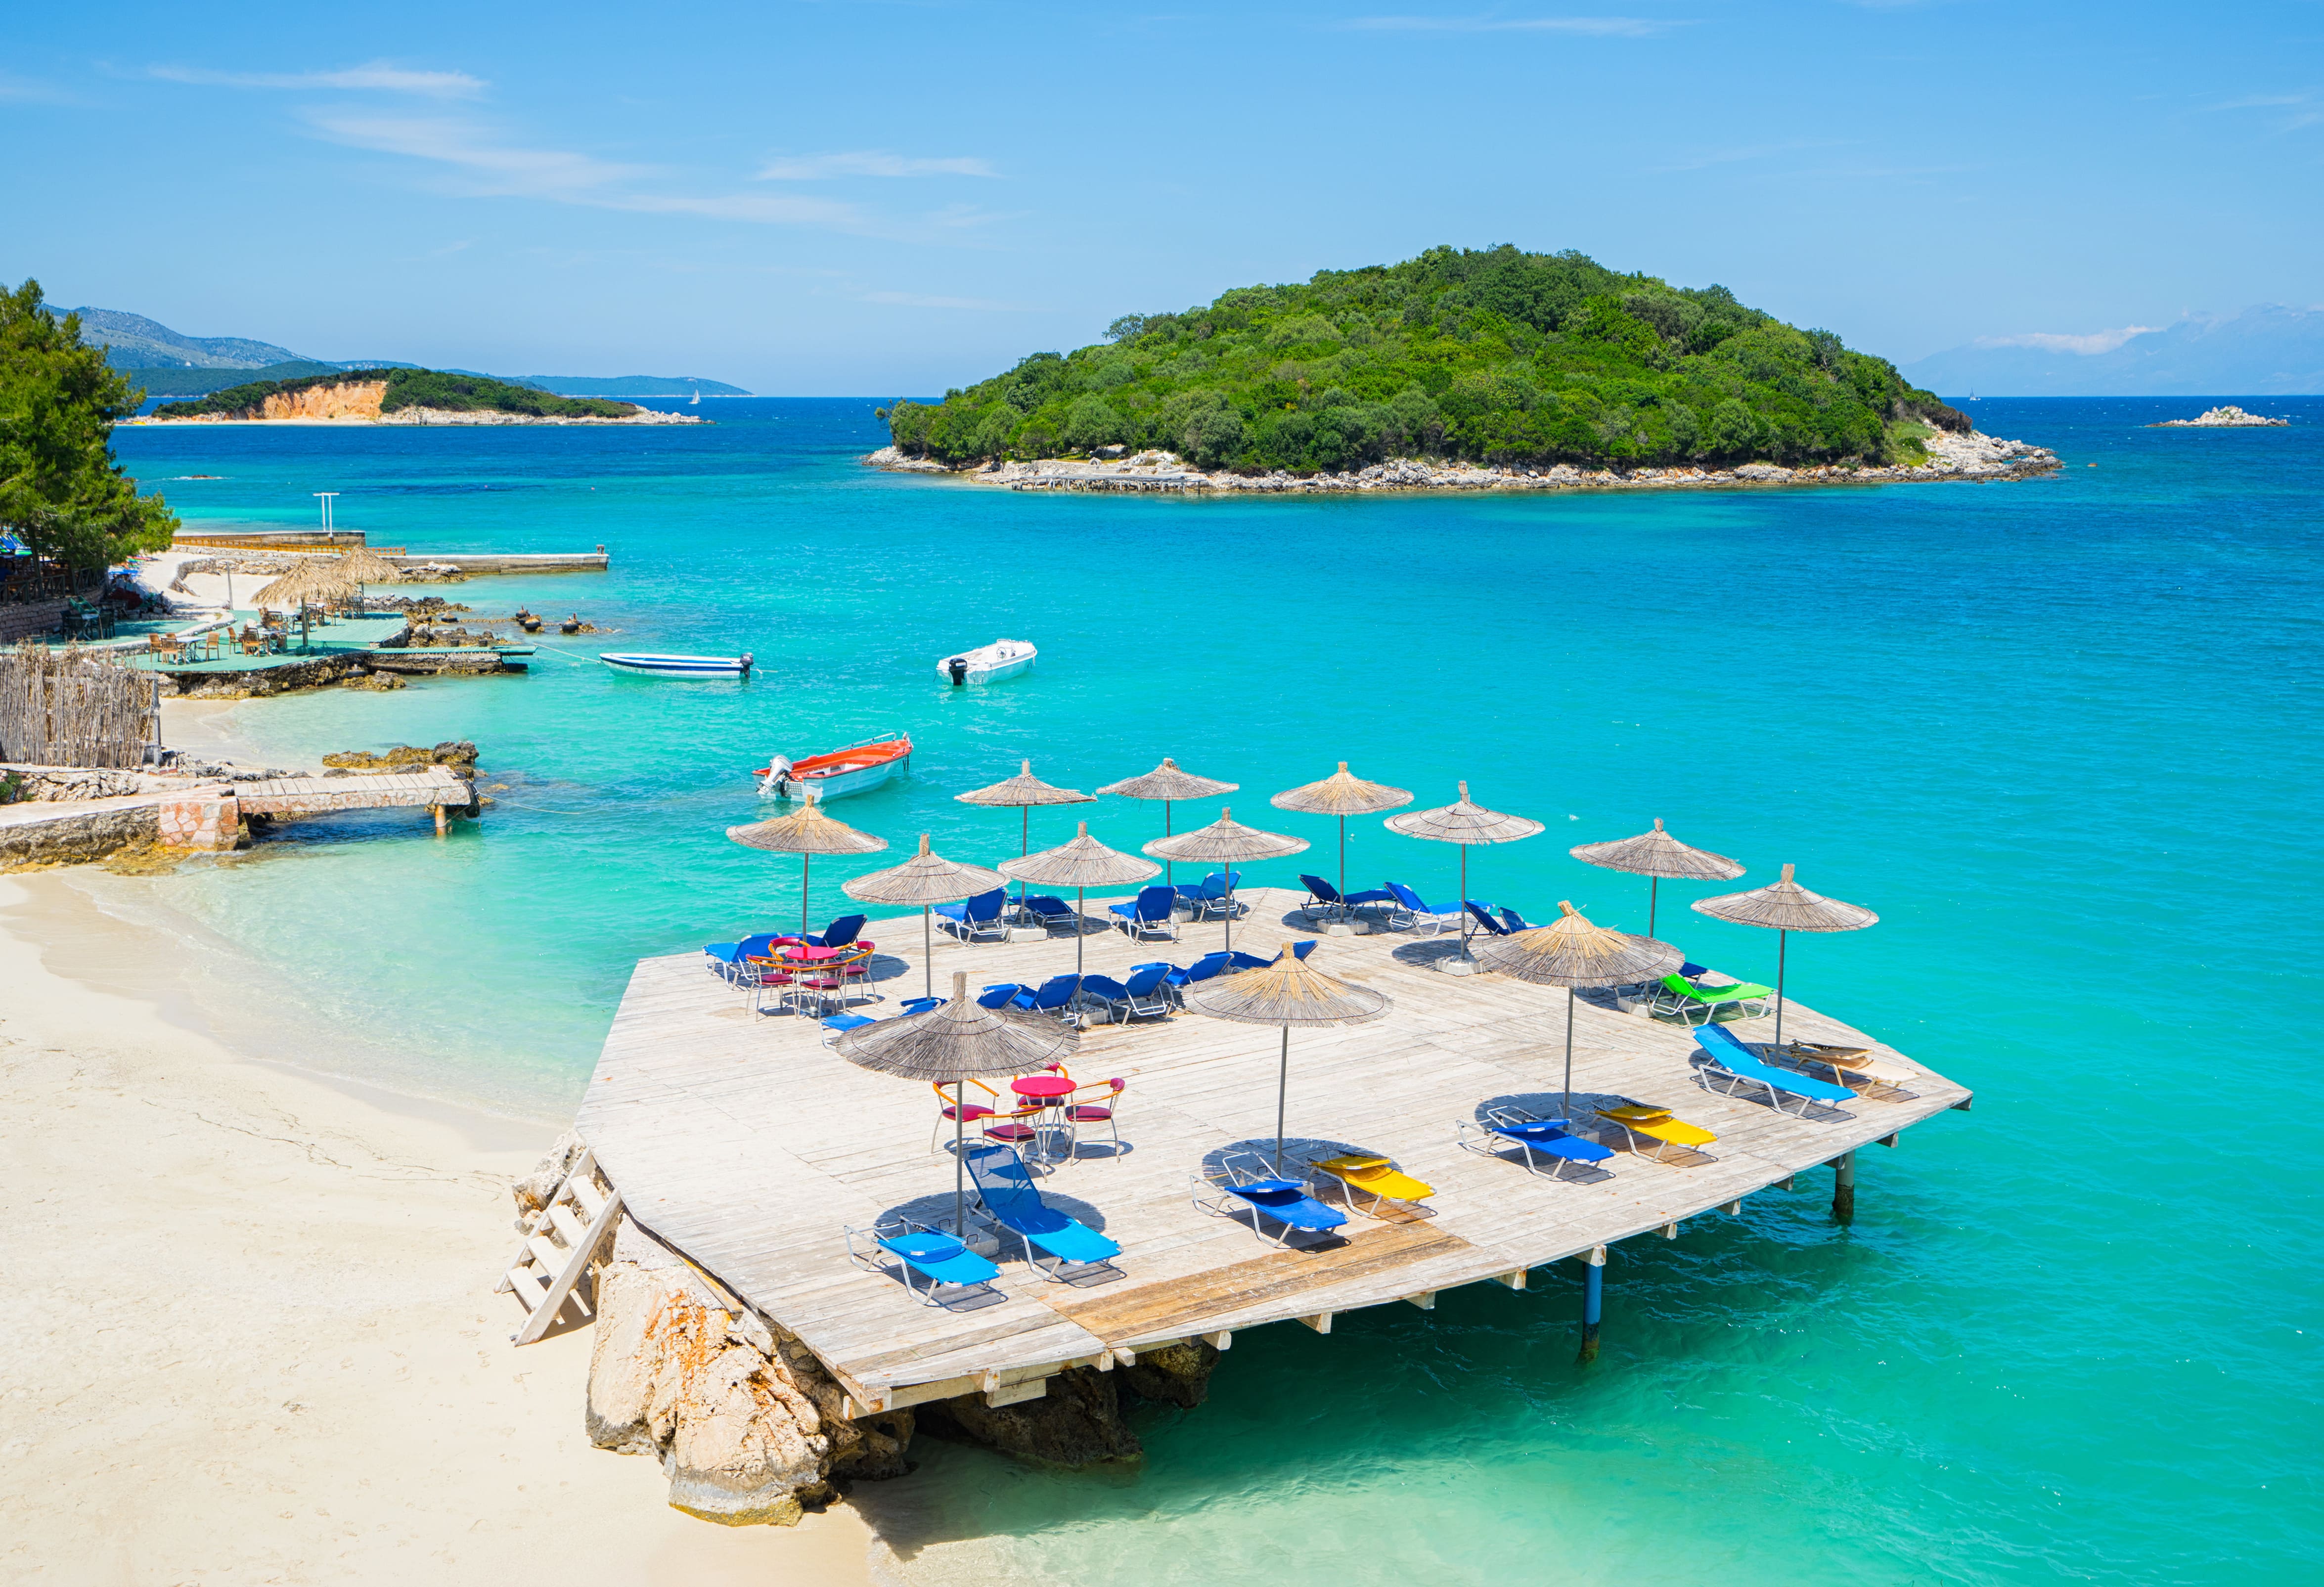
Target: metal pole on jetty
[(1593, 1302), (1843, 1188)]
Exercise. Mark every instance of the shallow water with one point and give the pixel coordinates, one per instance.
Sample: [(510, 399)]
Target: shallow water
[(2061, 735)]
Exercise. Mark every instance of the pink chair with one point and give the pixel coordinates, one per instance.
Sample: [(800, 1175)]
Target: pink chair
[(1105, 1110), (970, 1112), (1018, 1129)]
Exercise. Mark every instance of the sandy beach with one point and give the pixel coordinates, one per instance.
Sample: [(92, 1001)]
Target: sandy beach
[(253, 1336)]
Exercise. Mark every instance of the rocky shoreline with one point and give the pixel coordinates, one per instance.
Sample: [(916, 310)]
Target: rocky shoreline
[(1971, 456), (2228, 417)]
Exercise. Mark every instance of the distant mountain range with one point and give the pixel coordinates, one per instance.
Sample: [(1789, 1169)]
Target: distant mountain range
[(2269, 351), (169, 364)]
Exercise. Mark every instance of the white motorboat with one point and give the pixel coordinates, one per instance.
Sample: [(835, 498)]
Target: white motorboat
[(1003, 658), (662, 666), (853, 769)]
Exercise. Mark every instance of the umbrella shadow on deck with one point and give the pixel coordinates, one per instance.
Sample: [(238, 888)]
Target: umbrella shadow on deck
[(1255, 1159), (1427, 953), (1789, 1105), (1587, 1123), (931, 1212), (1551, 1104)]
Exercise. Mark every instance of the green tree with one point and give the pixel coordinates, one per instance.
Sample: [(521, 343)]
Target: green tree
[(60, 487)]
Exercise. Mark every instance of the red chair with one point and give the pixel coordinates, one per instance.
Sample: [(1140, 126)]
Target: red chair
[(1106, 1110), (1018, 1129), (970, 1112)]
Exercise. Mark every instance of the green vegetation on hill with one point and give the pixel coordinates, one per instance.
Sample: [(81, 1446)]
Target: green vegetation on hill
[(410, 388), (1493, 355)]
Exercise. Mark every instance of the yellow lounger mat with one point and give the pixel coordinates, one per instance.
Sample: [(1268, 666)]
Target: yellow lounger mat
[(1376, 1177), (1656, 1124)]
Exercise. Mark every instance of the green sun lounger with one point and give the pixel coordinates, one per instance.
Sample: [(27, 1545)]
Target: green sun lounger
[(1695, 1005)]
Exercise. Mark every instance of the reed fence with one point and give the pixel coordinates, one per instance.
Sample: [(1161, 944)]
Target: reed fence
[(73, 707)]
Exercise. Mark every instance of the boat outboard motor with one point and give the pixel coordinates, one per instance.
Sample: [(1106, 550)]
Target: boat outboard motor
[(778, 771), (958, 667), (746, 663)]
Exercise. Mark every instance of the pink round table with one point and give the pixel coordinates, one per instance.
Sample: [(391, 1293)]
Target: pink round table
[(1051, 1092)]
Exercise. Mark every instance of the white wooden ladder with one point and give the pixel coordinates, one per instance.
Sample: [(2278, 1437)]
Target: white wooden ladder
[(558, 1243)]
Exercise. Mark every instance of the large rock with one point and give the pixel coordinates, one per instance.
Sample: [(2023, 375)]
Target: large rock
[(533, 1192), (746, 1424), (1078, 1422), (1176, 1374)]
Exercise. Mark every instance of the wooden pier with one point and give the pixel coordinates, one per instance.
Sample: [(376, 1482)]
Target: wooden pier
[(741, 1140)]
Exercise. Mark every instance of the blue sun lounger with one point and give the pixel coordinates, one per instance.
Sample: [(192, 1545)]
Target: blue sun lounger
[(1007, 1193), (1541, 1139), (978, 916), (1285, 1203), (933, 1254), (1153, 909), (1728, 1058)]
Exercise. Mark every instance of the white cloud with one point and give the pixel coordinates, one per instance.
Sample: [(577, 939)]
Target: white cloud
[(2097, 341), (489, 166), (1596, 27), (875, 162), (378, 76)]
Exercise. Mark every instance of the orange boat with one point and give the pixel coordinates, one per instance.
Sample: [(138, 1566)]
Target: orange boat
[(853, 769)]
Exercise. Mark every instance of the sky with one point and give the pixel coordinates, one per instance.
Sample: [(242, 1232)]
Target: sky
[(887, 199)]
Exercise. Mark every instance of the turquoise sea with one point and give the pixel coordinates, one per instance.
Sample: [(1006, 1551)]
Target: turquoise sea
[(2063, 735)]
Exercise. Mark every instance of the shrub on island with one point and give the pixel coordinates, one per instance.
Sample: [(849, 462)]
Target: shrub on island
[(408, 388)]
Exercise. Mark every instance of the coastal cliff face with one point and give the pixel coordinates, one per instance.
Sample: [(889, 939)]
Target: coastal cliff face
[(357, 400)]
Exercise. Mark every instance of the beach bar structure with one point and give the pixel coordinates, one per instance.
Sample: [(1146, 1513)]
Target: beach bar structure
[(741, 1140)]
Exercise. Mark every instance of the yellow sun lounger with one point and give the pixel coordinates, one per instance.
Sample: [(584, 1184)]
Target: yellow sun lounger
[(1375, 1177), (1640, 1122)]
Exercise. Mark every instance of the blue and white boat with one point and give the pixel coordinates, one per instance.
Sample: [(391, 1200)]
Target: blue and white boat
[(661, 666)]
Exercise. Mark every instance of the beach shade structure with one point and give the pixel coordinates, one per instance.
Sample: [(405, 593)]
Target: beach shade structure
[(1464, 823), (1784, 907), (1290, 992), (927, 879), (361, 566), (1657, 854), (1025, 792), (1570, 952), (1080, 864), (1342, 795), (318, 578), (806, 831), (1169, 784), (958, 1041), (1226, 842)]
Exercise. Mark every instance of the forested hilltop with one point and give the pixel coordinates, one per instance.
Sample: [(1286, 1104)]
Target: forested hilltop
[(1494, 355), (433, 389)]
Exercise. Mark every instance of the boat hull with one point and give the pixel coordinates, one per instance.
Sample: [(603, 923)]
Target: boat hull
[(646, 664), (842, 772), (987, 663)]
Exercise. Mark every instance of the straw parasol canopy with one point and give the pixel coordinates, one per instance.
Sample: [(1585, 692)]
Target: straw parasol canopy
[(806, 831), (1464, 823), (927, 879), (1080, 864), (1343, 794), (1169, 783), (1290, 992), (1571, 952), (1024, 793), (1226, 841), (958, 1041), (364, 566), (1784, 907), (316, 578), (1657, 854)]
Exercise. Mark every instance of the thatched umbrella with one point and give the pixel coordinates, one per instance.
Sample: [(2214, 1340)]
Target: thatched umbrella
[(927, 879), (1570, 952), (1024, 791), (1168, 784), (315, 578), (1290, 992), (806, 831), (1080, 864), (1657, 854), (1784, 907), (1226, 840), (1463, 823), (952, 1045), (364, 566), (1342, 795)]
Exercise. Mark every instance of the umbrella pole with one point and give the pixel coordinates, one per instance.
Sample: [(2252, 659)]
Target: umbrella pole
[(1780, 936), (1567, 1107), (1463, 900), (1344, 867), (1282, 1085), (1169, 871), (1653, 885), (928, 950), (1230, 919), (1079, 894), (959, 1167), (807, 863), (1024, 847)]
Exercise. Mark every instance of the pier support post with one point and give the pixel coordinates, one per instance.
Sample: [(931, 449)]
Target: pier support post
[(1843, 1188), (1593, 1299), (438, 811)]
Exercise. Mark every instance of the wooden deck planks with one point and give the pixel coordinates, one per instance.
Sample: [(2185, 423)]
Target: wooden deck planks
[(745, 1144)]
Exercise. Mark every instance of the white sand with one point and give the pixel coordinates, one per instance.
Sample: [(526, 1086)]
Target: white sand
[(250, 1333)]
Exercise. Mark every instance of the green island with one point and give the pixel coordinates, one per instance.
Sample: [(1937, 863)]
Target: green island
[(1492, 356), (408, 388)]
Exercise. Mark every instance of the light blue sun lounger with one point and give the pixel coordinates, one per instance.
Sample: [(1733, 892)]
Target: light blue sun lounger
[(1006, 1191), (1739, 1065), (933, 1254), (1266, 1199)]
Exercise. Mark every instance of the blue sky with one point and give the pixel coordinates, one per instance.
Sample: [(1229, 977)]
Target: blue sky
[(867, 198)]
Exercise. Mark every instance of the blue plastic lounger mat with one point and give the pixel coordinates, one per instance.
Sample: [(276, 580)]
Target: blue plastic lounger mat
[(1549, 1135), (942, 1258), (1742, 1061), (1009, 1195), (1287, 1202)]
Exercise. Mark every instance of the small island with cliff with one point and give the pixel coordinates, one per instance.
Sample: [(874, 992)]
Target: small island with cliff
[(2228, 416), (402, 396), (1461, 369)]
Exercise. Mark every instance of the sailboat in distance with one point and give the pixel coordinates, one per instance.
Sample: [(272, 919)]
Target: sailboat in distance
[(697, 397)]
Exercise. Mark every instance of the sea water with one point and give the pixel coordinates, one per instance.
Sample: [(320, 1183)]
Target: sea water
[(2062, 735)]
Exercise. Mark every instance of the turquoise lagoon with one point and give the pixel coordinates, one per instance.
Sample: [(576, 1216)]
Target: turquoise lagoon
[(2063, 735)]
